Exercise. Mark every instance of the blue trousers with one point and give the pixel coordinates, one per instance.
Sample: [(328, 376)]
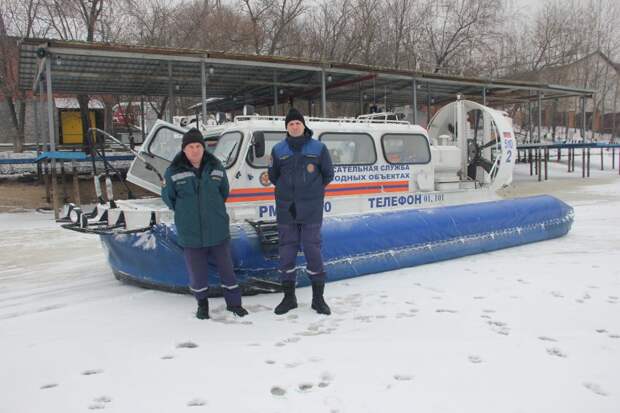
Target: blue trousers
[(197, 261), (308, 237)]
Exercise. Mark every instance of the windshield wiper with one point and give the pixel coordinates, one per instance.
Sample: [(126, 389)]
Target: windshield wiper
[(230, 154)]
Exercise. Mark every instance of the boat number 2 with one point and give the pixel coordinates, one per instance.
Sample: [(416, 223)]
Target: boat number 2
[(508, 143)]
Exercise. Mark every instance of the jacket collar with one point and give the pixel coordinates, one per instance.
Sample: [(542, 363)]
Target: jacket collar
[(297, 143), (180, 161)]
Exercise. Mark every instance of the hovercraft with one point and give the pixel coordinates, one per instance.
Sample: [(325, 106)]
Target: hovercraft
[(402, 196)]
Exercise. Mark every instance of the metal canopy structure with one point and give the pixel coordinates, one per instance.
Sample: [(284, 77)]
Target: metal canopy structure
[(51, 66), (99, 68)]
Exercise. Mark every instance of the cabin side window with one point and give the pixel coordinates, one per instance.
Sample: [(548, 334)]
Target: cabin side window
[(405, 148), (271, 139), (227, 148), (166, 143), (350, 148)]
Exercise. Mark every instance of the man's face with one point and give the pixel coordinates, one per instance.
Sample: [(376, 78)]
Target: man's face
[(194, 152), (295, 128)]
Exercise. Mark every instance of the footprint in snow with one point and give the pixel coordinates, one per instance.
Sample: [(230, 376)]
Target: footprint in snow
[(446, 310), (91, 372), (196, 403), (257, 308), (474, 359), (49, 386), (99, 403), (554, 351), (327, 376), (167, 357), (479, 297), (614, 336), (601, 330), (292, 365), (271, 362), (523, 281), (499, 327), (403, 377), (187, 344), (304, 387), (595, 388), (545, 338), (278, 391), (557, 294), (292, 340)]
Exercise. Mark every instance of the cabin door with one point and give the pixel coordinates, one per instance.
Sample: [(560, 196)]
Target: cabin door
[(158, 150)]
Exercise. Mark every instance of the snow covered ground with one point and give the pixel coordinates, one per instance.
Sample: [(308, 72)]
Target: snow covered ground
[(528, 329)]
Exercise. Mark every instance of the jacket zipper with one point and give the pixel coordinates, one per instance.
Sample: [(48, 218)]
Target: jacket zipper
[(199, 180)]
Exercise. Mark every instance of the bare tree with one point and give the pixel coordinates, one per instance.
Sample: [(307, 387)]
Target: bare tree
[(18, 17), (271, 20), (454, 26)]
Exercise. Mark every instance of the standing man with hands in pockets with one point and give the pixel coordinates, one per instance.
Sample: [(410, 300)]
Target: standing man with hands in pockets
[(300, 167), (196, 188)]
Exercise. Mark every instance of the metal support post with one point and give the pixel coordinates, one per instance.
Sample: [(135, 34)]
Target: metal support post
[(203, 91), (583, 162), (171, 105), (142, 119), (275, 94), (52, 130), (414, 103), (428, 104), (323, 94), (539, 117), (583, 118)]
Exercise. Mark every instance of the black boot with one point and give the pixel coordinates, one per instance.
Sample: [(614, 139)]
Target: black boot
[(318, 303), (203, 309), (289, 301), (237, 310)]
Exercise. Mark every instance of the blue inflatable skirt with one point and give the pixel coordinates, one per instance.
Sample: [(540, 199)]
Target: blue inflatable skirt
[(351, 245)]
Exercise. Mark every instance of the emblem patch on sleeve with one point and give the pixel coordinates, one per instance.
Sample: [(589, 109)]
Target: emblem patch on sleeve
[(310, 168)]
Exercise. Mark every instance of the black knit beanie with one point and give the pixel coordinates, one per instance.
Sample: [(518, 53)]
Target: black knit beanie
[(294, 114), (192, 136)]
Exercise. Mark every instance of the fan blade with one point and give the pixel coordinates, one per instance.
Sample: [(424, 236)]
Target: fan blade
[(484, 164), (488, 144)]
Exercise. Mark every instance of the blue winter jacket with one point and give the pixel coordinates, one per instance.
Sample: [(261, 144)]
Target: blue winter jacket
[(300, 168), (198, 202)]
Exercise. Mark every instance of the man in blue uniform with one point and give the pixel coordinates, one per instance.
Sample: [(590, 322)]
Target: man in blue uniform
[(300, 168), (196, 188)]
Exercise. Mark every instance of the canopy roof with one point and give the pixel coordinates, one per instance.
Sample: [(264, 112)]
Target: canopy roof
[(117, 69)]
